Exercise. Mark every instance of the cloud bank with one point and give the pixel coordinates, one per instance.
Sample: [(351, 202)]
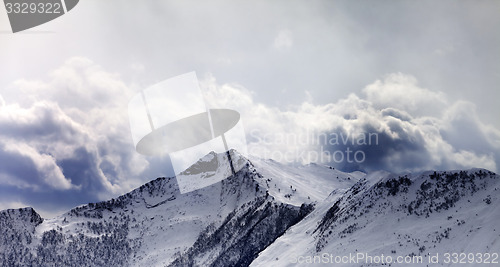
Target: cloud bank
[(394, 124), (66, 140), (67, 136)]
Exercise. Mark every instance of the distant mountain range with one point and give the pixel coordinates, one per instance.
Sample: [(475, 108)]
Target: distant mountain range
[(270, 214)]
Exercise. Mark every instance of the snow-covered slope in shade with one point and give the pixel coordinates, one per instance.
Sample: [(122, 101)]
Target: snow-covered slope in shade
[(159, 221), (410, 217), (267, 214), (17, 227), (156, 224), (303, 184), (253, 227)]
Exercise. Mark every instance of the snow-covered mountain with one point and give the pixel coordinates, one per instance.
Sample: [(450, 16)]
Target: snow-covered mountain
[(267, 214), (403, 219)]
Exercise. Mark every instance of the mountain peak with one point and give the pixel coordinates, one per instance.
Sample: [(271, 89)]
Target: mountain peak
[(210, 169), (27, 214), (264, 214)]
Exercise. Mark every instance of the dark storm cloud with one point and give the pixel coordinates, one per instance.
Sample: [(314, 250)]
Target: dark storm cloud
[(82, 170), (455, 139), (70, 152), (415, 129), (15, 165), (380, 151)]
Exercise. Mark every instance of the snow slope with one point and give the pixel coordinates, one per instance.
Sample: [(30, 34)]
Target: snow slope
[(303, 184), (266, 214), (408, 218), (155, 224)]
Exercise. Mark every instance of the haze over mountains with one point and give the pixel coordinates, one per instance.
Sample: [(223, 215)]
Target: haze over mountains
[(268, 214)]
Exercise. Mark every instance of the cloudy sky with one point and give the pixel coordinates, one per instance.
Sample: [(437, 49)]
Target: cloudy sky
[(421, 76)]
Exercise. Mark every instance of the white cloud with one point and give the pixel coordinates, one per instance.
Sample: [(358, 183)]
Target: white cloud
[(401, 91), (470, 159), (396, 108)]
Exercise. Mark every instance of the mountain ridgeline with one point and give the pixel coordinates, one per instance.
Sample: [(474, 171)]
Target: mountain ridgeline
[(266, 214)]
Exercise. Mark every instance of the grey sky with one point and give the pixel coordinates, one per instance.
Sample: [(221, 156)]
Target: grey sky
[(81, 69)]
